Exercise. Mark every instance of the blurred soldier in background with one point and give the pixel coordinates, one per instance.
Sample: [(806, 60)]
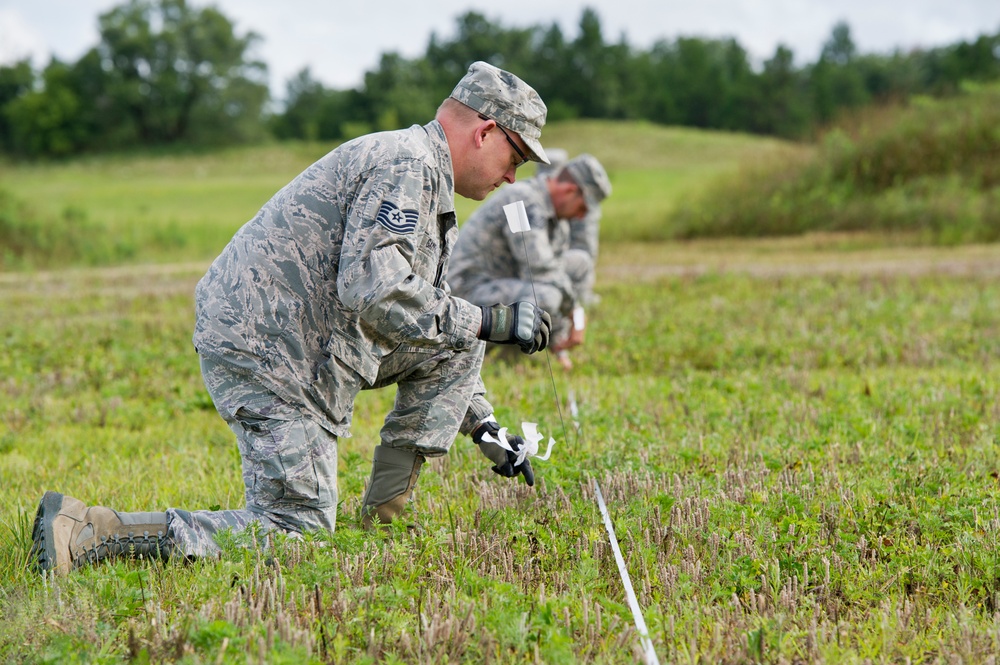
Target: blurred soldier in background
[(337, 285), (492, 264), (584, 236)]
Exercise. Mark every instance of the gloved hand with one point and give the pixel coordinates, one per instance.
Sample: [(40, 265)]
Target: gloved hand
[(520, 323), (503, 460)]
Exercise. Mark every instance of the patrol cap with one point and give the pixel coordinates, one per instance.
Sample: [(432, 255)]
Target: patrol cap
[(557, 157), (587, 172), (507, 99)]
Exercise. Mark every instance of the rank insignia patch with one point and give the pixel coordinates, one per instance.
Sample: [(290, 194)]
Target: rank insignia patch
[(396, 220)]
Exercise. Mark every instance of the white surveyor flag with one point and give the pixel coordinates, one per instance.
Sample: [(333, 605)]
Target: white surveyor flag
[(530, 448), (517, 217)]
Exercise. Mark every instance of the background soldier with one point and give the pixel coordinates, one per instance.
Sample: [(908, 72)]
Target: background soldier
[(580, 255), (338, 285), (492, 264)]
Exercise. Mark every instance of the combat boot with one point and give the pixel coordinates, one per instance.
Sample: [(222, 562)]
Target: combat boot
[(69, 534), (394, 475)]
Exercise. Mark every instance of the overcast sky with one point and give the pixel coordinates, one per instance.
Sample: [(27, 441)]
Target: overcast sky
[(341, 40)]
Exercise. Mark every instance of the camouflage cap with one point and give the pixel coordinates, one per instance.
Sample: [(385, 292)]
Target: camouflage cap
[(557, 157), (507, 99), (587, 172)]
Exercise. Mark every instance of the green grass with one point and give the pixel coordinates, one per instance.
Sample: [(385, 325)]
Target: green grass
[(799, 467), (797, 439), (928, 172), (154, 209)]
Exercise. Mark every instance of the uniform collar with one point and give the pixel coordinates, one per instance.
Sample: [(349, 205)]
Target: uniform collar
[(442, 157)]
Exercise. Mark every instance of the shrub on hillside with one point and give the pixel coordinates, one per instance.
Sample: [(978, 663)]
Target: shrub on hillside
[(930, 168), (27, 240)]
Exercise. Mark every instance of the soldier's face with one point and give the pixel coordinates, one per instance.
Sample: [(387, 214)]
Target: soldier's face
[(568, 201), (496, 160)]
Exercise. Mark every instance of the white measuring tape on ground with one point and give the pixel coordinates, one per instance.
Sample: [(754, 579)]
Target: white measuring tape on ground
[(517, 220), (633, 602)]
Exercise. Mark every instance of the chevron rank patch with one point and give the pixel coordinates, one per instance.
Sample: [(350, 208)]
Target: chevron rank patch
[(396, 220)]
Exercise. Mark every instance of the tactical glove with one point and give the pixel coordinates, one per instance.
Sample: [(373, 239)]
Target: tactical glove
[(520, 323), (503, 460)]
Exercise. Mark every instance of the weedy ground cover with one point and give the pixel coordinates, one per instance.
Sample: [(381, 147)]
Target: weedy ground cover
[(802, 467)]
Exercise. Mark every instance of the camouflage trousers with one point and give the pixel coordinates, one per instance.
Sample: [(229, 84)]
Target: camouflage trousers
[(289, 459), (582, 271)]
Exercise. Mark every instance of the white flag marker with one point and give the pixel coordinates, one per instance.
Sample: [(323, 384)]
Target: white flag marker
[(517, 217), (530, 448)]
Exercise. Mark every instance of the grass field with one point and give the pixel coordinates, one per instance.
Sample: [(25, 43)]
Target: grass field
[(798, 442)]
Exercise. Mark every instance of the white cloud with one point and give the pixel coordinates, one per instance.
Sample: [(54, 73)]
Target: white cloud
[(18, 39)]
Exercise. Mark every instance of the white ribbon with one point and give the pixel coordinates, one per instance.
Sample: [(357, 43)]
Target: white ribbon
[(530, 448)]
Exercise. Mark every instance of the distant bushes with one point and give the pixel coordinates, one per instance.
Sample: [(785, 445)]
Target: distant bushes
[(27, 241), (929, 169)]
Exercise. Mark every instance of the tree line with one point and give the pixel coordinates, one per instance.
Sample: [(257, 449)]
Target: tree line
[(165, 73)]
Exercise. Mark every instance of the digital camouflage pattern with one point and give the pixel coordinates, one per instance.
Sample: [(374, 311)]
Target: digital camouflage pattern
[(492, 265), (337, 285), (504, 97), (588, 173), (341, 267), (584, 234), (581, 255), (289, 465)]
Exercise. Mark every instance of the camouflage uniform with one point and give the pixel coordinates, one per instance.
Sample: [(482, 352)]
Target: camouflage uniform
[(493, 265), (580, 256), (337, 285)]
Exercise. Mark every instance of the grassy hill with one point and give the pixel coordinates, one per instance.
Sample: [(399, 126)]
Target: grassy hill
[(119, 209), (925, 172)]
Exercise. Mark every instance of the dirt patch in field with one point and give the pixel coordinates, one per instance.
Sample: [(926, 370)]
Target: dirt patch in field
[(628, 262), (789, 258), (119, 282)]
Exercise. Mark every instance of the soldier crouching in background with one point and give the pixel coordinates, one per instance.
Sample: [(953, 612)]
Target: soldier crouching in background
[(492, 264)]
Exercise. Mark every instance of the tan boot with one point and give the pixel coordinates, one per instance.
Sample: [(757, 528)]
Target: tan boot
[(69, 534), (394, 475)]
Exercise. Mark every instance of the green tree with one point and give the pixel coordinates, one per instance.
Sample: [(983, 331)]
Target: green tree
[(50, 120), (783, 107), (315, 113), (400, 93), (479, 38), (170, 66), (836, 80), (701, 83), (15, 80)]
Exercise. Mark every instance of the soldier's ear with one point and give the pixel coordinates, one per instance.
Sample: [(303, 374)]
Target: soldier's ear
[(483, 129)]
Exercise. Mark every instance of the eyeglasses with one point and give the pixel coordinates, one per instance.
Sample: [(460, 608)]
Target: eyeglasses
[(520, 153)]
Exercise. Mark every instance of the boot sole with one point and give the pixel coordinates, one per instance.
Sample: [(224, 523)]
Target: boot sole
[(43, 546)]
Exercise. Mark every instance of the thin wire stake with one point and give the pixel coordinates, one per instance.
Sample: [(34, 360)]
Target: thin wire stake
[(548, 359), (633, 602)]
